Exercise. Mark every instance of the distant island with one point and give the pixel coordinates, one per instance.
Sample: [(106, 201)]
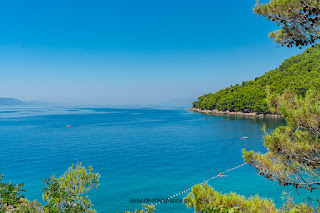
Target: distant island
[(11, 101), (14, 102), (298, 73)]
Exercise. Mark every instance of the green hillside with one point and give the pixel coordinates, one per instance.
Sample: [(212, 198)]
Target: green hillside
[(298, 73)]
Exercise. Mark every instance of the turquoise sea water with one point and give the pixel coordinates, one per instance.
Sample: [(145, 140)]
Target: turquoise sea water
[(140, 153)]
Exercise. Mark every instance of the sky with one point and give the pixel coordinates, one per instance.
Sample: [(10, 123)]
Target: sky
[(126, 52)]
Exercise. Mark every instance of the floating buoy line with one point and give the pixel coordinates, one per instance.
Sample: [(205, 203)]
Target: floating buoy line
[(189, 189)]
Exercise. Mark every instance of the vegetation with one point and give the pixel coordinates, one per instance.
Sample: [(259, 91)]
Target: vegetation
[(145, 209), (63, 194), (293, 91), (299, 21), (204, 199), (298, 73), (294, 149), (293, 156), (292, 159)]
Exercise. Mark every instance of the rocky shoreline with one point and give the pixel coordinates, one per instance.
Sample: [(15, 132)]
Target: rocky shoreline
[(217, 112)]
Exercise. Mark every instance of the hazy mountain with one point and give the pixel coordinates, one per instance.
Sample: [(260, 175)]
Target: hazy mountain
[(10, 101)]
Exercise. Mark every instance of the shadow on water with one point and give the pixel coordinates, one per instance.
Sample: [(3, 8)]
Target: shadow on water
[(271, 123)]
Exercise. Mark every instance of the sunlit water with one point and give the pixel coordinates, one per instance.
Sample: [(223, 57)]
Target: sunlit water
[(140, 153)]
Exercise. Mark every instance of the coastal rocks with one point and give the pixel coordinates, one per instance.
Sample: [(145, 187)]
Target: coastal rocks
[(218, 112)]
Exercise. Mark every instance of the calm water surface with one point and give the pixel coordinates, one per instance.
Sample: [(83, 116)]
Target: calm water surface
[(140, 153)]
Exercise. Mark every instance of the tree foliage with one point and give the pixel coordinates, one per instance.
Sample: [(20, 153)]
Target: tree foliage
[(63, 194), (145, 209), (10, 195), (293, 158), (294, 149), (204, 198), (299, 20), (298, 73)]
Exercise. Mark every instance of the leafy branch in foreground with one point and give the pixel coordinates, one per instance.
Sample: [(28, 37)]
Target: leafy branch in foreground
[(10, 195), (294, 150), (204, 199), (299, 20), (145, 209), (63, 194)]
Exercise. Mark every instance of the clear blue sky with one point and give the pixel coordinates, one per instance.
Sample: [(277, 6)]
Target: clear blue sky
[(130, 52)]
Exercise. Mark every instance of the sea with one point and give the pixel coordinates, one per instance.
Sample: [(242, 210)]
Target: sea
[(143, 154)]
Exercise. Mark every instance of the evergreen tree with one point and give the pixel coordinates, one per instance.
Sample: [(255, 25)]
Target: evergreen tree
[(299, 20), (294, 149)]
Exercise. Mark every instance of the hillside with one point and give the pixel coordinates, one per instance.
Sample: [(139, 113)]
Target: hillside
[(10, 101), (298, 73)]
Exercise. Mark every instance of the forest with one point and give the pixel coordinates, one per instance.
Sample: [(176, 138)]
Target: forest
[(298, 74)]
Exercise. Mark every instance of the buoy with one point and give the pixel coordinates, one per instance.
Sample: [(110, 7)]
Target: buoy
[(68, 126)]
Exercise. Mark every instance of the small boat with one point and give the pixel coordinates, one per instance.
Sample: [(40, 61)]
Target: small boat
[(245, 137)]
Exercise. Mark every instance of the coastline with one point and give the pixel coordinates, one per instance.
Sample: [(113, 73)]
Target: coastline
[(218, 112)]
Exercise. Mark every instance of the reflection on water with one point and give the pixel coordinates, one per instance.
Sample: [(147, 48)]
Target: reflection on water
[(270, 123)]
